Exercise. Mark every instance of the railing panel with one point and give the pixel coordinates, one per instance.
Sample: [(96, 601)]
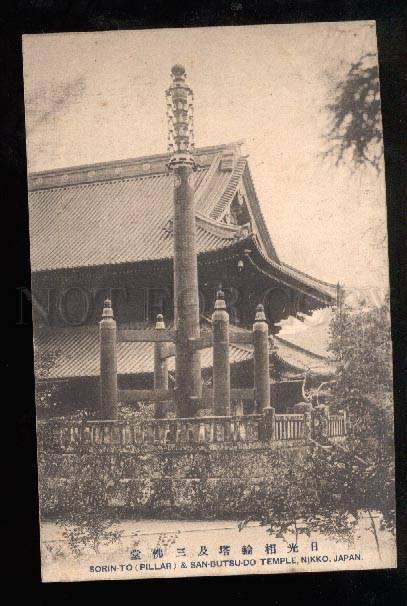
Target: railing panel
[(289, 427), (337, 426), (69, 435)]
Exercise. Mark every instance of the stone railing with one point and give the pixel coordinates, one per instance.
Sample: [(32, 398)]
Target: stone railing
[(68, 435), (290, 427), (337, 425)]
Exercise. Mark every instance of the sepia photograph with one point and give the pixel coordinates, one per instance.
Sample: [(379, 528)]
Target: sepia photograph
[(211, 303)]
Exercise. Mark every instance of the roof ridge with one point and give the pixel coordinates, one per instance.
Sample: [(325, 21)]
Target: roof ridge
[(116, 169), (203, 186), (230, 189), (86, 184), (77, 167), (259, 217)]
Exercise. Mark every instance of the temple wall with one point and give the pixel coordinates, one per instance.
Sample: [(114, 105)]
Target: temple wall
[(75, 297), (199, 467), (212, 481)]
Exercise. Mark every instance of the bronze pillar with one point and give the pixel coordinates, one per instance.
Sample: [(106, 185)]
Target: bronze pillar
[(188, 386)]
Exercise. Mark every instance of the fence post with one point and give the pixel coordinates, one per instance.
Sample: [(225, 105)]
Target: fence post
[(261, 359), (345, 422), (238, 409), (320, 424), (108, 363), (305, 408), (221, 366), (160, 369), (269, 424), (307, 425)]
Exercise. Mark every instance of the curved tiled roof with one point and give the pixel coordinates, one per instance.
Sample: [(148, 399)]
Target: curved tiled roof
[(286, 271), (303, 360), (109, 222), (75, 352), (121, 212)]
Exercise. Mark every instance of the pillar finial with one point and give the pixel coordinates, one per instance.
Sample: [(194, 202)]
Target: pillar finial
[(180, 114), (260, 315), (107, 309), (220, 300), (160, 321), (178, 72)]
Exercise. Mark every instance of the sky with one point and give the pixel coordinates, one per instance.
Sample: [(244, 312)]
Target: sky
[(94, 97)]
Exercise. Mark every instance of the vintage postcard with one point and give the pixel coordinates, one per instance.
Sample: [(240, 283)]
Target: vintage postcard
[(210, 291)]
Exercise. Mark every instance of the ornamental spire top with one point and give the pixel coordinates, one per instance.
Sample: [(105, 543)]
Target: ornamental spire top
[(180, 113)]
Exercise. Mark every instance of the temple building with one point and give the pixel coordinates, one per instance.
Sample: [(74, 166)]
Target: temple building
[(107, 230)]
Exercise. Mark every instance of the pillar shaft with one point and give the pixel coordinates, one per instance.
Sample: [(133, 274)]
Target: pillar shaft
[(160, 370), (108, 364), (269, 424), (188, 388), (261, 360), (221, 365), (160, 367)]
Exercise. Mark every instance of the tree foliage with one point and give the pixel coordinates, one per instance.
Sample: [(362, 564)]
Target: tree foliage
[(361, 344), (355, 132), (46, 392), (327, 492), (83, 505)]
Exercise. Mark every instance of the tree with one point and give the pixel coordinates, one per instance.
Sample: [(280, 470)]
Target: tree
[(331, 486), (83, 502), (355, 131), (360, 342), (307, 498), (88, 518), (46, 392), (361, 345)]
